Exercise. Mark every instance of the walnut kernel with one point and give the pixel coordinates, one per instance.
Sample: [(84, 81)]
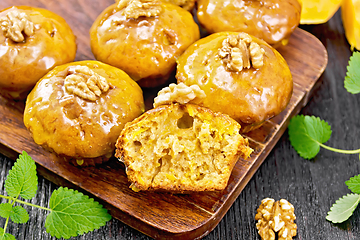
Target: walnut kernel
[(257, 55), (85, 83), (138, 8), (179, 93), (239, 52), (275, 217), (15, 23)]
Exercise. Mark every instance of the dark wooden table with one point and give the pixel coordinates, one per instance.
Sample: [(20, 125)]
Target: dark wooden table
[(311, 186)]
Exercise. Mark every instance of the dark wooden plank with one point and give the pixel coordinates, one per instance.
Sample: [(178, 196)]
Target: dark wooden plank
[(158, 214)]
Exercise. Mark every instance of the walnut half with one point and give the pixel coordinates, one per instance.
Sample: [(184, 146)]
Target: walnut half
[(179, 93), (15, 23), (85, 83), (239, 52), (138, 8), (275, 217)]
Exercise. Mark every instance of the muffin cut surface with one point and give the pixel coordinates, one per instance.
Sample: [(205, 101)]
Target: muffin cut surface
[(181, 148)]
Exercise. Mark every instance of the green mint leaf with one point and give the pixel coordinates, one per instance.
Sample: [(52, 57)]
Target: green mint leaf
[(352, 78), (19, 215), (22, 178), (306, 132), (354, 184), (343, 208), (5, 210), (6, 236), (73, 214)]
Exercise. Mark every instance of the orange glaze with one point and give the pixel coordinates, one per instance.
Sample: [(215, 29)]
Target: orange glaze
[(23, 64), (250, 96), (146, 48), (71, 126), (270, 20)]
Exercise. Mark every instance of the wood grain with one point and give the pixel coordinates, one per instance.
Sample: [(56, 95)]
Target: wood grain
[(159, 215)]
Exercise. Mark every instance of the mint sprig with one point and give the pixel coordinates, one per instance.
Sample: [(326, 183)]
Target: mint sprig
[(5, 210), (19, 214), (352, 78), (82, 214), (71, 212), (6, 236), (354, 184), (22, 178), (308, 133), (344, 207)]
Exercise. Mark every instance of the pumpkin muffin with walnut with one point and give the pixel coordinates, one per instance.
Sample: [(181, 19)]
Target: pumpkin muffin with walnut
[(77, 110), (241, 76), (270, 20), (185, 4), (179, 146), (144, 38), (32, 42)]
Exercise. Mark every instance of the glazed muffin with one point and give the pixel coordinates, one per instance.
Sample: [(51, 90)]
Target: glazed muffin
[(144, 38), (270, 20), (78, 110), (241, 76), (185, 4), (181, 148), (32, 42)]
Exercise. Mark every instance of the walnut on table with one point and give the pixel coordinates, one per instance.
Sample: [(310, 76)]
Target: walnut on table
[(140, 8), (275, 217), (15, 24), (85, 83), (239, 52)]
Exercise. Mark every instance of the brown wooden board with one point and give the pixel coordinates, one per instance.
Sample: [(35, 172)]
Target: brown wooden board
[(159, 215)]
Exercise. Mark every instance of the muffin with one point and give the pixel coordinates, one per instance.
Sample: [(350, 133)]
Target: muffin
[(144, 38), (185, 4), (32, 42), (270, 20), (78, 110), (241, 76), (181, 148)]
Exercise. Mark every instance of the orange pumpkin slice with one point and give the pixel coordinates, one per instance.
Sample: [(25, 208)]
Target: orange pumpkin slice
[(318, 11), (350, 11)]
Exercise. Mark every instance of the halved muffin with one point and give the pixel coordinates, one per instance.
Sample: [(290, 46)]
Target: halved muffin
[(181, 148)]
